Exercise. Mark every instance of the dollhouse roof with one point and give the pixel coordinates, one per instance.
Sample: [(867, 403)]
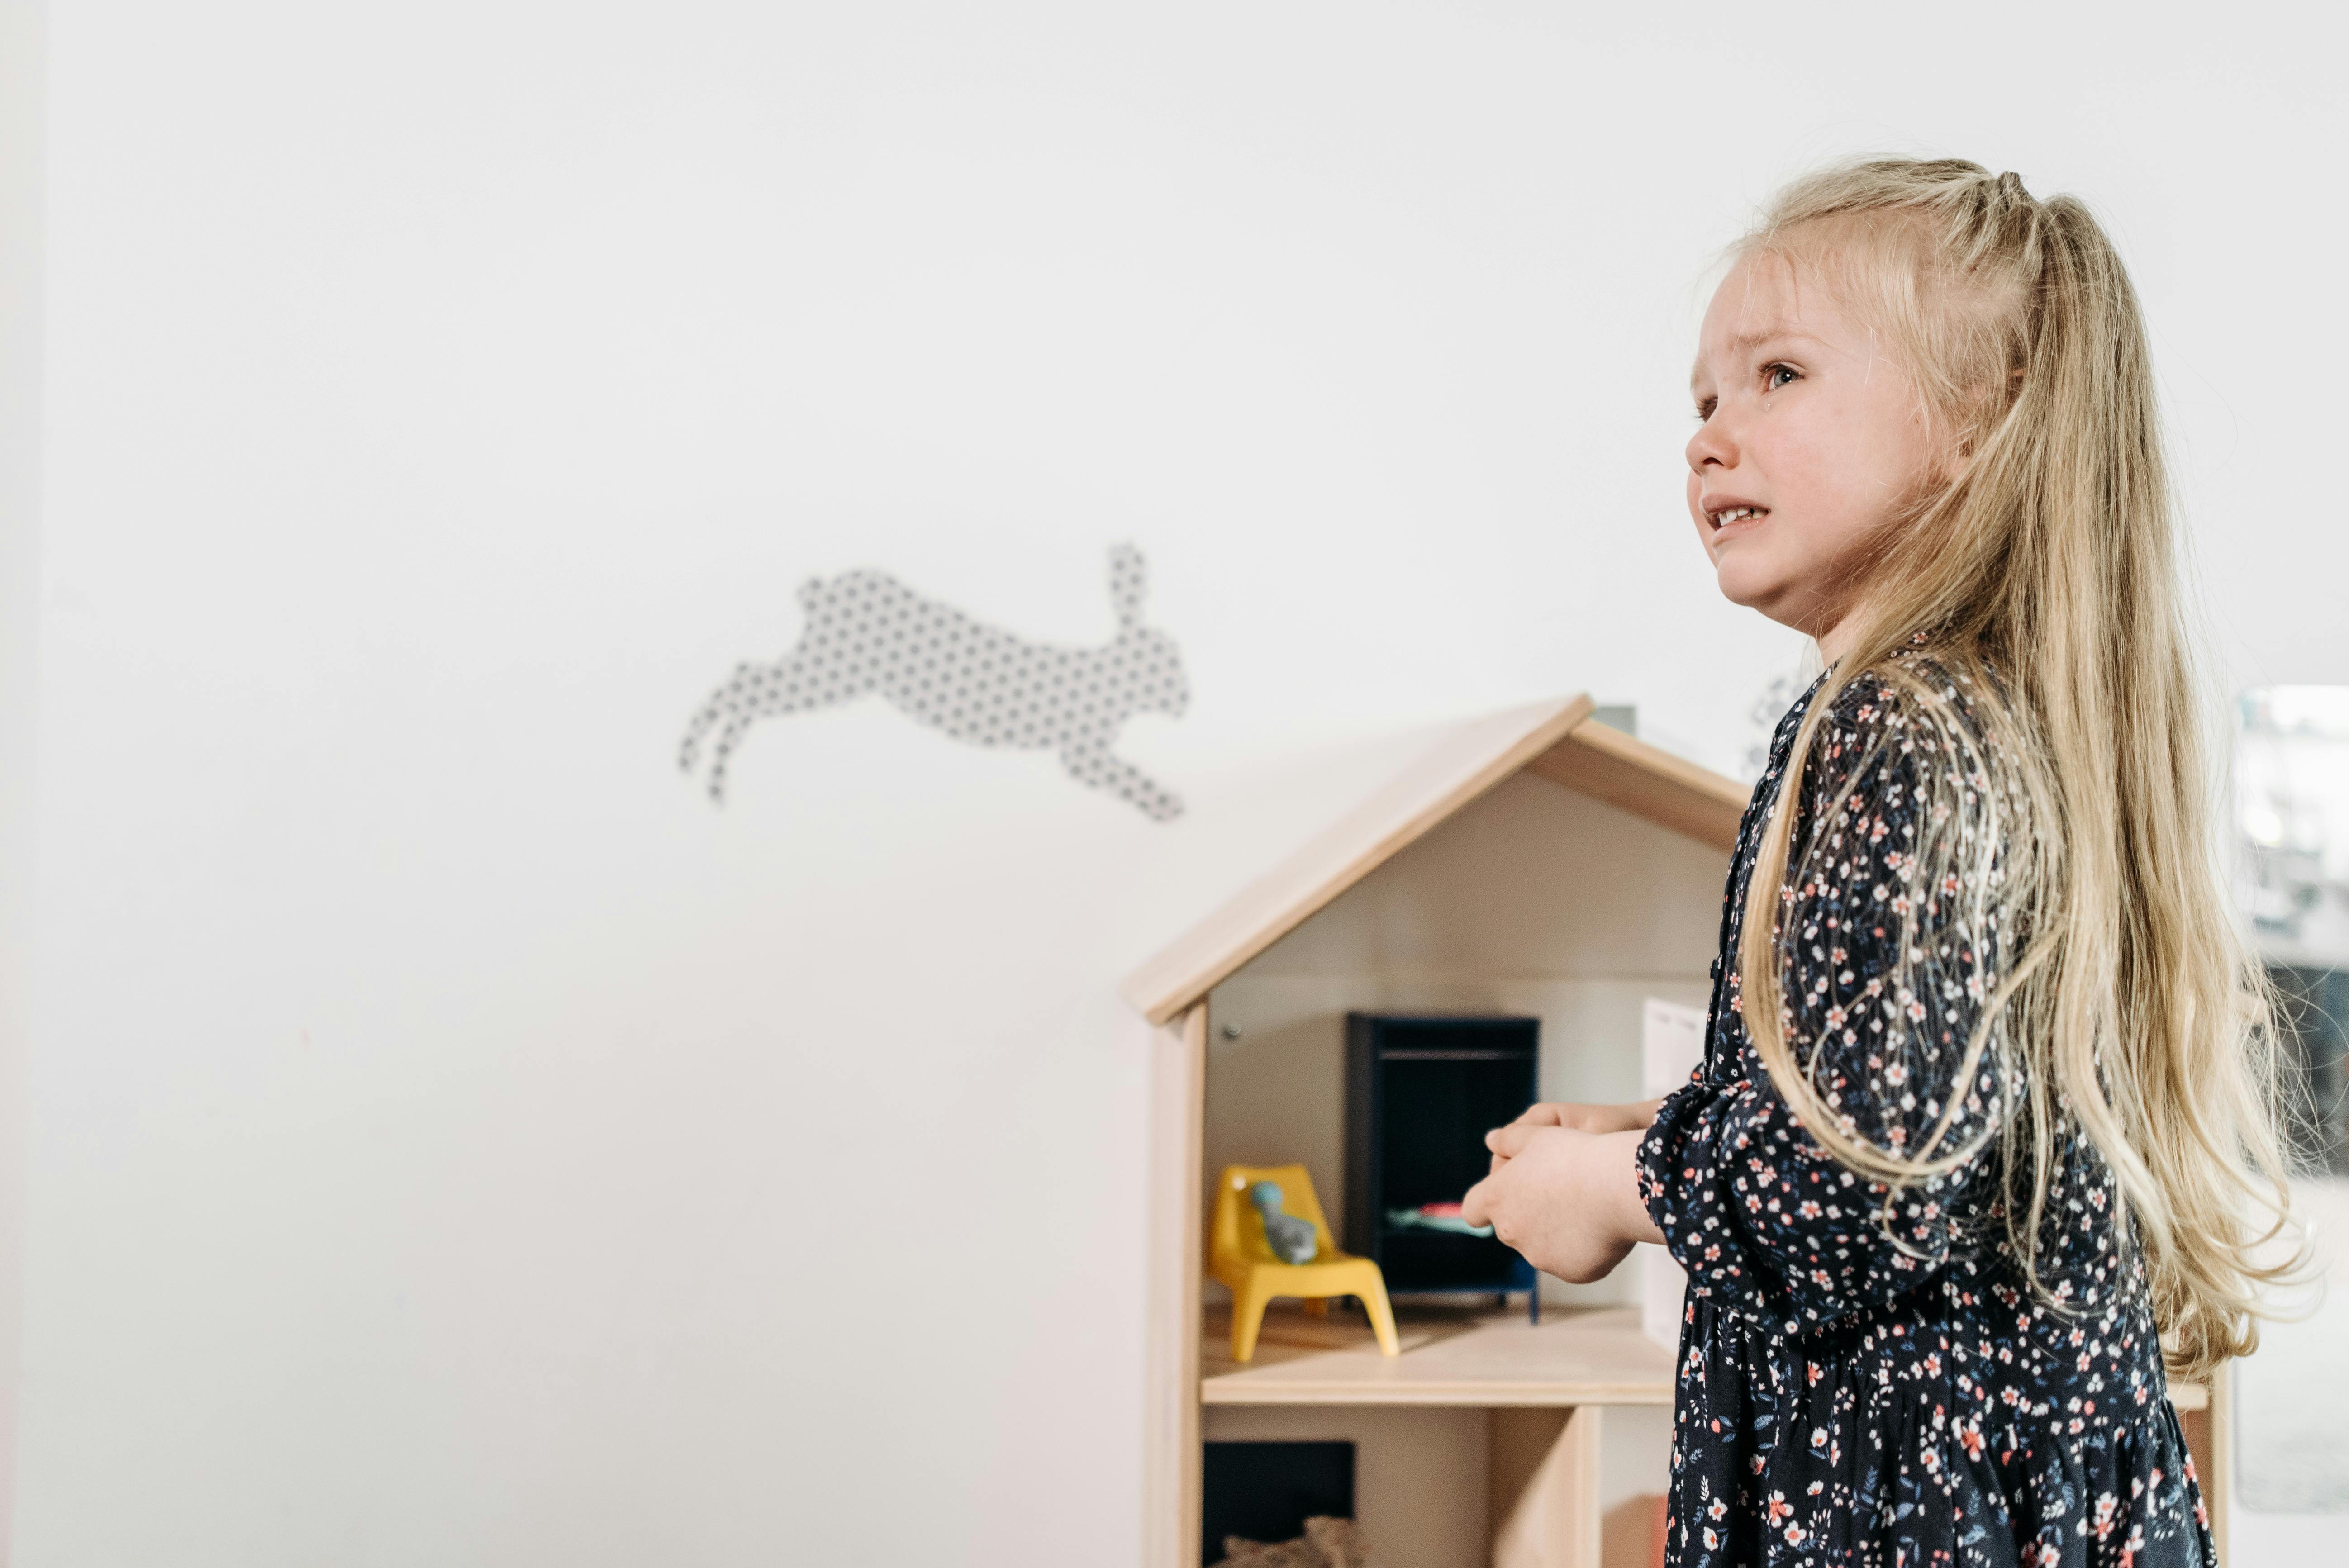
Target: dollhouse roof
[(1555, 739)]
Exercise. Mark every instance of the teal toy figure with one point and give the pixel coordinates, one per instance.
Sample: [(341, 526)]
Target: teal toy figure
[(1291, 1238)]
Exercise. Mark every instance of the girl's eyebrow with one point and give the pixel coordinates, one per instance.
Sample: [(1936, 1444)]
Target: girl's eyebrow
[(1747, 342)]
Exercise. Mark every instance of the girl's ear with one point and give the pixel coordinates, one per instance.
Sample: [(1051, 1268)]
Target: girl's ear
[(1980, 415), (1960, 457)]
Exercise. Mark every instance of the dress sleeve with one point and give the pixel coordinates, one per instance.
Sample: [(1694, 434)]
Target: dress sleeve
[(1886, 968)]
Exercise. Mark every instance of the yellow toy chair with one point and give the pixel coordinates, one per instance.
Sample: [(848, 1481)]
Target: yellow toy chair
[(1238, 1255)]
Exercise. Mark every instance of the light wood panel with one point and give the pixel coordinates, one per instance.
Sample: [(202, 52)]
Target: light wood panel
[(1596, 1356), (1171, 1452), (1631, 1532), (1460, 767), (1545, 1487), (1646, 781)]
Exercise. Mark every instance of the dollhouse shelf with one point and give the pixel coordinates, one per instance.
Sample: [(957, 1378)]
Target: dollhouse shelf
[(1481, 1359), (1489, 1359)]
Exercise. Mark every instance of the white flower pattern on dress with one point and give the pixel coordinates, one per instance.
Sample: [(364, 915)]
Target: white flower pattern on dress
[(1865, 1379)]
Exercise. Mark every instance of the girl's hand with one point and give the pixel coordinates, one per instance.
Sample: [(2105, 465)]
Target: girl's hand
[(1590, 1118), (1567, 1199), (1578, 1117)]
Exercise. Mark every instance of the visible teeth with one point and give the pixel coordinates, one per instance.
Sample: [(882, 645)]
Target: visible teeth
[(1735, 514)]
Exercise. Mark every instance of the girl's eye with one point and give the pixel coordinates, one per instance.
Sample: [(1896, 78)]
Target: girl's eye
[(1704, 408), (1770, 375)]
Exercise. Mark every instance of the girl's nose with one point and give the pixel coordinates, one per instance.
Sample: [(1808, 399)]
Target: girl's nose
[(1712, 446)]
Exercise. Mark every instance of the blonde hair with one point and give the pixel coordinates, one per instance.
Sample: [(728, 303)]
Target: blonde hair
[(2025, 617)]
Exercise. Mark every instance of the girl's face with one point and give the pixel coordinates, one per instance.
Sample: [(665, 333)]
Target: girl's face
[(1812, 441)]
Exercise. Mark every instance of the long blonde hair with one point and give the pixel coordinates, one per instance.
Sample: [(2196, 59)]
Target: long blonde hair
[(2072, 806)]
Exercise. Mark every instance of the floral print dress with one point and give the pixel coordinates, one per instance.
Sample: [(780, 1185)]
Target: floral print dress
[(1871, 1384)]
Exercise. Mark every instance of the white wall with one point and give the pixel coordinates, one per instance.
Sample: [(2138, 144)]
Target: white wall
[(21, 262), (452, 1141)]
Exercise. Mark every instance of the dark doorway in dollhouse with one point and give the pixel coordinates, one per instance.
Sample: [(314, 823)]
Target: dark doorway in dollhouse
[(1420, 1094), (1266, 1491)]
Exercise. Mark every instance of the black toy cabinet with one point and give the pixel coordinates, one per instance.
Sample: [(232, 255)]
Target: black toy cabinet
[(1421, 1093)]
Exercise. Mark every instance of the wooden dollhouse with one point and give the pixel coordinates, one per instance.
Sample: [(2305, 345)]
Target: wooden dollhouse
[(1533, 864)]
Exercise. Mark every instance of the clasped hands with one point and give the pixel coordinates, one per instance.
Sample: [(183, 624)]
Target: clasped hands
[(1564, 1188)]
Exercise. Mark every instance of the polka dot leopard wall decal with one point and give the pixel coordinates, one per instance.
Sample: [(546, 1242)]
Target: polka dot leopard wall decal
[(866, 632)]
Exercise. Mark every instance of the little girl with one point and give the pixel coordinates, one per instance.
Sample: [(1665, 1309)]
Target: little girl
[(1983, 1120)]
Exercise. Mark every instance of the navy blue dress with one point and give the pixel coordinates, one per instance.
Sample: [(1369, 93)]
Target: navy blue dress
[(1877, 1386)]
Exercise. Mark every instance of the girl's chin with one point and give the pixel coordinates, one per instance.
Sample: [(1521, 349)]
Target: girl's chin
[(1747, 581)]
